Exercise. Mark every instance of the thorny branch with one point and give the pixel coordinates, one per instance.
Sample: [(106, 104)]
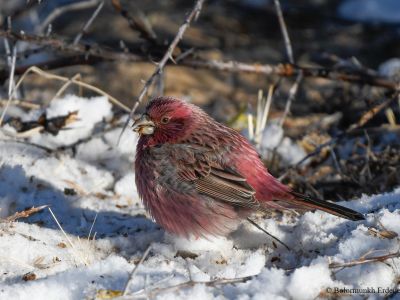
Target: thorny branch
[(90, 53), (68, 47)]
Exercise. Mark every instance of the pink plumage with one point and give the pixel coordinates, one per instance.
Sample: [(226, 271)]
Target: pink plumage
[(199, 177)]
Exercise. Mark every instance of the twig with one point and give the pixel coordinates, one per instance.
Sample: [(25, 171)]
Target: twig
[(25, 213), (167, 56), (68, 47), (364, 260), (21, 103), (191, 283), (282, 24), (66, 85), (11, 85), (23, 142), (135, 269), (88, 23), (75, 81), (139, 22), (372, 113), (266, 232), (87, 51), (292, 94), (353, 128), (63, 9), (290, 70)]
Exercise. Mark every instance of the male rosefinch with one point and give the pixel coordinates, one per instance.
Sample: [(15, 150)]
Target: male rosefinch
[(198, 177)]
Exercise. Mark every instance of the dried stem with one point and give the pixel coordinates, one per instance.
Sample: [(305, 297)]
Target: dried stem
[(21, 103), (25, 213), (364, 260), (190, 283), (83, 260), (72, 80), (135, 269)]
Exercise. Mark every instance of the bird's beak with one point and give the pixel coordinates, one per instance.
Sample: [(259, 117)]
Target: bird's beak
[(143, 125)]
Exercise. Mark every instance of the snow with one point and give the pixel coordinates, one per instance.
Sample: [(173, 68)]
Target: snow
[(90, 112), (94, 187), (273, 137), (381, 11), (390, 68)]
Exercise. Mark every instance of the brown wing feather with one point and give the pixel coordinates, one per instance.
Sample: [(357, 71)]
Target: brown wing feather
[(236, 192), (214, 180)]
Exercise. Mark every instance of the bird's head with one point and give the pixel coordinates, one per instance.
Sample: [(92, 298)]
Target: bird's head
[(166, 120)]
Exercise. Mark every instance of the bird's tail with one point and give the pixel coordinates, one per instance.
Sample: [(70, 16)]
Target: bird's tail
[(329, 207)]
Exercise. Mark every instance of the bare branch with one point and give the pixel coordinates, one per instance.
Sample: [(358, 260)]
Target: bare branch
[(364, 260), (72, 80), (63, 9), (88, 23), (87, 51), (65, 46), (285, 34), (167, 56), (292, 94), (138, 22), (11, 85)]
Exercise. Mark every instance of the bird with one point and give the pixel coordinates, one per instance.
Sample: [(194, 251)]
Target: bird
[(198, 177)]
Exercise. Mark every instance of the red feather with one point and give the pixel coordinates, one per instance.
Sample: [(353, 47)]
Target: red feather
[(197, 176)]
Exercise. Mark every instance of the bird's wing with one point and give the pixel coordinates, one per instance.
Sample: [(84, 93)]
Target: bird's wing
[(198, 165)]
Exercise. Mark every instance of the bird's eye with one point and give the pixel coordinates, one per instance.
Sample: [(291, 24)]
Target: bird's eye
[(165, 120)]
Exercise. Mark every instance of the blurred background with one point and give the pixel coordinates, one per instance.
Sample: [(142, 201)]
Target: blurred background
[(355, 121)]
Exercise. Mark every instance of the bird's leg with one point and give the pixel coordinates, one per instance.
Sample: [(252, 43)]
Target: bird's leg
[(266, 232)]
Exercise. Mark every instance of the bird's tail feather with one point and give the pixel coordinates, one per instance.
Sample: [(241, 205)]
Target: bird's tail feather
[(329, 207)]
